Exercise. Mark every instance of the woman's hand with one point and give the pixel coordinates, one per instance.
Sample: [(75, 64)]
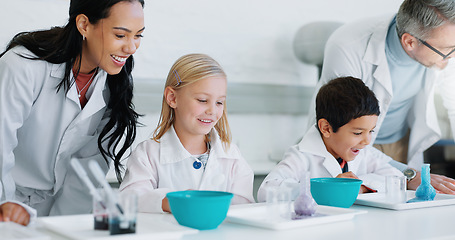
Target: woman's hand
[(13, 212)]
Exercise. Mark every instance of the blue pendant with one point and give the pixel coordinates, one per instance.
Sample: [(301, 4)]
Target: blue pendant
[(197, 164)]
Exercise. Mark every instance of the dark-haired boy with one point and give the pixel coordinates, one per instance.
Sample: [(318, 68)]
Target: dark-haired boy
[(338, 146)]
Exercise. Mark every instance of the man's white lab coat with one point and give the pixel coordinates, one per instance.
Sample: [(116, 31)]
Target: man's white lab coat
[(358, 49)]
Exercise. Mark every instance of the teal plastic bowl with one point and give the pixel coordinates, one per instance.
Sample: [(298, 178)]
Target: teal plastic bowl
[(336, 192), (202, 210)]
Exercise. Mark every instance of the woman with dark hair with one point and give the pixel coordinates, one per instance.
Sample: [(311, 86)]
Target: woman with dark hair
[(66, 93)]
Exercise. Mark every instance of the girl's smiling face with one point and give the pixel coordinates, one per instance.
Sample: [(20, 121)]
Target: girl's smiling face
[(350, 138), (199, 106), (112, 40)]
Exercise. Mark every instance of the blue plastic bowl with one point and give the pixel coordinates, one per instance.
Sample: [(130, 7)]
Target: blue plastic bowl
[(199, 209), (336, 192)]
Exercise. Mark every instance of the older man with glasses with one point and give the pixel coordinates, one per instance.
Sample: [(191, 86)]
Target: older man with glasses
[(403, 58)]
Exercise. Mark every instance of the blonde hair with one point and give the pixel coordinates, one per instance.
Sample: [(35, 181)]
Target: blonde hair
[(187, 70)]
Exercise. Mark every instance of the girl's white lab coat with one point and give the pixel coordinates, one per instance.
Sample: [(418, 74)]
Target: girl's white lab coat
[(358, 49), (311, 155), (41, 130), (155, 169)]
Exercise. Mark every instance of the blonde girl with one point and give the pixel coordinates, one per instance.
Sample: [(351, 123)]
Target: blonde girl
[(191, 147)]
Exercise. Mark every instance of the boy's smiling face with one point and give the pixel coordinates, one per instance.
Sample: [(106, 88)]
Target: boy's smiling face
[(350, 138)]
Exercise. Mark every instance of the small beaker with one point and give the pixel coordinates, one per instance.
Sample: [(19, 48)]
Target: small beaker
[(395, 187), (278, 200), (100, 211), (123, 213)]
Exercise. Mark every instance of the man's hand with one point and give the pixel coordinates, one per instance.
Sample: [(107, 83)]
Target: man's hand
[(13, 212), (441, 183)]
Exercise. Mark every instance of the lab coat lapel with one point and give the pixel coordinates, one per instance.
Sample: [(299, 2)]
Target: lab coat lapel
[(213, 177), (354, 165), (58, 71), (332, 166), (381, 83), (375, 55), (99, 98), (100, 93), (431, 117), (424, 114), (80, 127), (313, 144), (209, 172), (72, 138), (172, 151)]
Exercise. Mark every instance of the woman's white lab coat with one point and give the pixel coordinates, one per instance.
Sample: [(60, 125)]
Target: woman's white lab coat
[(311, 155), (41, 130), (155, 169), (358, 49)]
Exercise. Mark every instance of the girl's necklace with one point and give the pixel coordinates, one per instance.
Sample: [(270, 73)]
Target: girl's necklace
[(202, 159), (87, 84)]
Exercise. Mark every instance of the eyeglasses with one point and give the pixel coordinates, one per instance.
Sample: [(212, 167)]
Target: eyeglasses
[(444, 56)]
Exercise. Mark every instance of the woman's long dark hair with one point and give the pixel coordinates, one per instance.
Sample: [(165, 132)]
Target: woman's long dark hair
[(64, 45)]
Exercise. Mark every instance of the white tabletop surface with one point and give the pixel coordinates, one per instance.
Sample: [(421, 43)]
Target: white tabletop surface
[(377, 223)]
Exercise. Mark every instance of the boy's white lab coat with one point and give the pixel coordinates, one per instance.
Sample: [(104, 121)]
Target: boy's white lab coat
[(358, 49), (41, 130), (155, 169), (311, 155)]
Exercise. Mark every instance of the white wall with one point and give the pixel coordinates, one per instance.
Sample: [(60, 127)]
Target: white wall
[(252, 39)]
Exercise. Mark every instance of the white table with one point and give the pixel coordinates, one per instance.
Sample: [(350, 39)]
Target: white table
[(424, 223)]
